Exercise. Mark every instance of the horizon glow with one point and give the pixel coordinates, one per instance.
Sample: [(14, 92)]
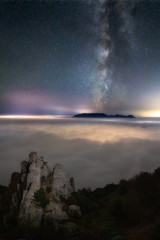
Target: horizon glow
[(31, 116), (147, 114)]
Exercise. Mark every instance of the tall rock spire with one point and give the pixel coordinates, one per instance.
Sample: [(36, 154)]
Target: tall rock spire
[(36, 176)]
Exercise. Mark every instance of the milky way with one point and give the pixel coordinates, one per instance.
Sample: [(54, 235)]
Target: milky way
[(72, 56), (115, 33), (126, 55)]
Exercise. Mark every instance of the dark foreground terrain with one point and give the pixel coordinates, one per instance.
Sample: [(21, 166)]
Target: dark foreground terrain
[(128, 210)]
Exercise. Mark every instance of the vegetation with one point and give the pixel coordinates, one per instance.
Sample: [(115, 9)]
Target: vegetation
[(129, 210), (40, 197)]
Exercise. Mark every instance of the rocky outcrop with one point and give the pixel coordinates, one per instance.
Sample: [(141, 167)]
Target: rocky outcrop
[(42, 192)]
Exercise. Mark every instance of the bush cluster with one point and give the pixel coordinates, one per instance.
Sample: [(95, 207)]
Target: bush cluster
[(40, 197)]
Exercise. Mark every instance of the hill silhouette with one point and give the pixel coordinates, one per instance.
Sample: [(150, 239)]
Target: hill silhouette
[(101, 115)]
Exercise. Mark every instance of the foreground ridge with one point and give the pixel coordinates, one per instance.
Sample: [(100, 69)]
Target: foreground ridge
[(128, 210)]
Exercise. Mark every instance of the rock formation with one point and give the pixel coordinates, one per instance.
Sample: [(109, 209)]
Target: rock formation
[(51, 187)]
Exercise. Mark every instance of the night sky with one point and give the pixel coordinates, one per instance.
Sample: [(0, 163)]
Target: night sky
[(63, 57)]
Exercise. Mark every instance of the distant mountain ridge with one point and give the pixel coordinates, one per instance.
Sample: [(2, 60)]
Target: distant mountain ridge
[(101, 115)]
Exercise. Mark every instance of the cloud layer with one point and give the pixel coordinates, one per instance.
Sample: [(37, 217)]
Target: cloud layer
[(94, 152)]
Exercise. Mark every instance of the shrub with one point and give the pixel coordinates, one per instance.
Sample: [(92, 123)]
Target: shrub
[(9, 220), (83, 201), (123, 188), (40, 197), (62, 198), (117, 209), (107, 232), (119, 237)]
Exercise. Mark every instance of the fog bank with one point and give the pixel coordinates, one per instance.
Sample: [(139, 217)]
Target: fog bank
[(94, 152)]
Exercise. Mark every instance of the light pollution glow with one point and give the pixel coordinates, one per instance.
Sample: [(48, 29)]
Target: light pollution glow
[(152, 114), (42, 106), (31, 116)]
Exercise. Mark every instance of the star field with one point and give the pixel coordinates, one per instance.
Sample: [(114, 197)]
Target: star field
[(59, 57)]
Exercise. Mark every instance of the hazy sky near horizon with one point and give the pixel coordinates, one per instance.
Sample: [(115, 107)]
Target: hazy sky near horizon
[(67, 56), (95, 152)]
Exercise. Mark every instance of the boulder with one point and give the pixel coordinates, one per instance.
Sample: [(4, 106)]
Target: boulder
[(54, 210), (74, 211)]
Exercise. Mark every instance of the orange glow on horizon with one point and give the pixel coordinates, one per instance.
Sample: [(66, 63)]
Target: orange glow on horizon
[(152, 113), (31, 116)]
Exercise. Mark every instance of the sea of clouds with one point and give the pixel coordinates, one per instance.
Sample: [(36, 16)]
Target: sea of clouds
[(95, 152)]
